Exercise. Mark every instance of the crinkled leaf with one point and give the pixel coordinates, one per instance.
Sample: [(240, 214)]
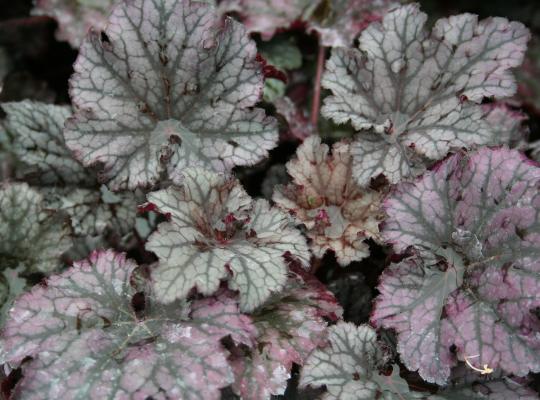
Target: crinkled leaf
[(75, 17), (36, 129), (216, 231), (290, 324), (348, 367), (474, 227), (417, 91), (83, 325), (338, 214), (343, 21), (30, 235), (170, 85)]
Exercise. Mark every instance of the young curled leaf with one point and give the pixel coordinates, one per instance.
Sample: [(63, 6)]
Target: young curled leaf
[(290, 324), (169, 84), (216, 231), (417, 92), (338, 214), (82, 324), (472, 226)]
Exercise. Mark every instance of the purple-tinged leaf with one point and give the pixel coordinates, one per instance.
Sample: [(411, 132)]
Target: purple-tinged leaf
[(82, 325), (417, 91), (338, 214), (472, 226), (216, 231), (291, 324), (36, 129), (299, 125), (30, 235), (169, 84), (345, 19), (75, 17)]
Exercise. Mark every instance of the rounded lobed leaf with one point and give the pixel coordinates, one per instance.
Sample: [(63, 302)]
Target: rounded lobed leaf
[(169, 84), (417, 91), (83, 325), (216, 231), (473, 228), (338, 214)]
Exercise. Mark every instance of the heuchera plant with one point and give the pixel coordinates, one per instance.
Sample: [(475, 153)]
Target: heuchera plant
[(178, 230)]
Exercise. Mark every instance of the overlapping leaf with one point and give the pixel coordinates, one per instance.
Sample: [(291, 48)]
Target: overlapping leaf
[(75, 17), (417, 92), (290, 324), (216, 231), (30, 235), (170, 84), (349, 367), (338, 214), (83, 325), (508, 125), (474, 227), (338, 22), (36, 129)]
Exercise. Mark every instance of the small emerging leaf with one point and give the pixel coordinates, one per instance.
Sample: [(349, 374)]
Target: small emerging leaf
[(338, 214)]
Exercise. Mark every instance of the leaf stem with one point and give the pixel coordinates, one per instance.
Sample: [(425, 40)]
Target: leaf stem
[(316, 104)]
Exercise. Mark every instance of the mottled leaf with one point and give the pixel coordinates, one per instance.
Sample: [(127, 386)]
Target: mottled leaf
[(216, 231), (472, 226), (74, 17), (299, 124), (12, 284), (36, 129), (417, 92), (30, 235), (290, 324), (508, 125), (338, 214), (83, 325), (169, 84)]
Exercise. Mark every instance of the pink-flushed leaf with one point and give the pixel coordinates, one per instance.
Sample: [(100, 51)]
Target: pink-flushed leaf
[(216, 231), (87, 340), (345, 19), (299, 125), (472, 226), (349, 367), (337, 22), (36, 129), (267, 16), (417, 92), (338, 214), (169, 84), (31, 236), (75, 17), (291, 324)]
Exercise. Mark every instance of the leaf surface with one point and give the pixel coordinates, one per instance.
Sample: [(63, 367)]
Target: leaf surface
[(416, 92), (170, 84)]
